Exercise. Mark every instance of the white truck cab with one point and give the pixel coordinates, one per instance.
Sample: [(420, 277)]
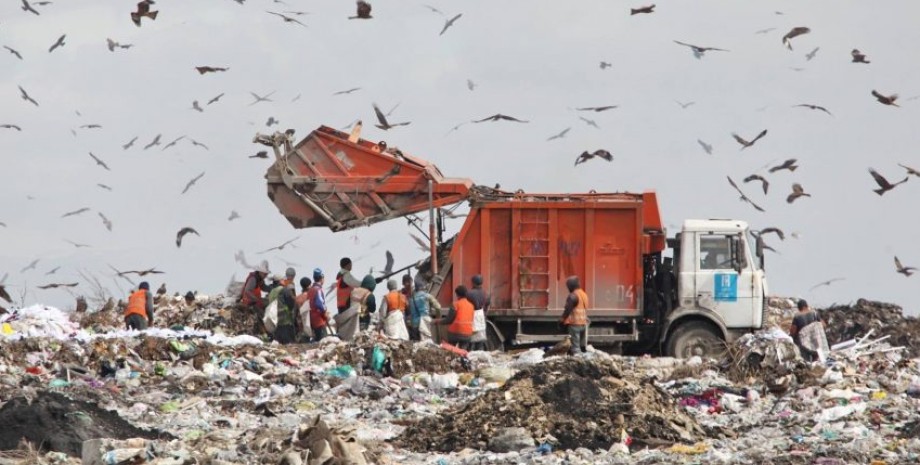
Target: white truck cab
[(721, 286)]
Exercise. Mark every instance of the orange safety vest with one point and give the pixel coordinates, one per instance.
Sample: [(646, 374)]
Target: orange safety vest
[(579, 315), (250, 298), (342, 293), (396, 300), (137, 303), (463, 322)]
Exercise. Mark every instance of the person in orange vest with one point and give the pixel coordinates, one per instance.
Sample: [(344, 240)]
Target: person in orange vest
[(575, 316), (344, 283), (139, 312), (393, 313), (459, 320), (319, 317), (251, 297)]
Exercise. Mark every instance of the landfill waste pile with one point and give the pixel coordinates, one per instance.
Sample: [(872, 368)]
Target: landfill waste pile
[(845, 322), (80, 389), (569, 403)]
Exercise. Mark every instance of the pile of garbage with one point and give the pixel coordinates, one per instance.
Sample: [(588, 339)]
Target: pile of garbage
[(845, 322), (568, 403)]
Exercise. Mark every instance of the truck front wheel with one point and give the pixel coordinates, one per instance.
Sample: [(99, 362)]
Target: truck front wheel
[(695, 338)]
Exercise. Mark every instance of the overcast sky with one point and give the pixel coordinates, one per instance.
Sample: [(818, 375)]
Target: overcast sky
[(535, 60)]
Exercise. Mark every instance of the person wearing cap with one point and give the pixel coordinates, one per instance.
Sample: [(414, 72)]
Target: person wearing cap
[(422, 308), (285, 330), (289, 276), (804, 318), (319, 317), (480, 301), (139, 312), (575, 315), (393, 313)]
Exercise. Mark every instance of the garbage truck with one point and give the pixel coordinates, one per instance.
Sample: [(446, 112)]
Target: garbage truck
[(682, 296)]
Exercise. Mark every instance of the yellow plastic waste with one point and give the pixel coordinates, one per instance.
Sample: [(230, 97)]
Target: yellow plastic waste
[(7, 329), (696, 449), (879, 395)]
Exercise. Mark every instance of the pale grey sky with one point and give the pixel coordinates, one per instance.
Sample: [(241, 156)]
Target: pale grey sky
[(535, 60)]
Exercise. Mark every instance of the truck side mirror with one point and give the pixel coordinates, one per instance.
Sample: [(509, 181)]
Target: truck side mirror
[(739, 260)]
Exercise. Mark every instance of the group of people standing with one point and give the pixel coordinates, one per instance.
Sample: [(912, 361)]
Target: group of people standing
[(408, 312)]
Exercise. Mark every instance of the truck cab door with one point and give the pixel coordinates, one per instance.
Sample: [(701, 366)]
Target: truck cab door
[(724, 278)]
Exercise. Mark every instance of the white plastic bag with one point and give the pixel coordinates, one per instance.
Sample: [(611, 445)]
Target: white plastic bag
[(305, 318), (270, 320), (479, 320)]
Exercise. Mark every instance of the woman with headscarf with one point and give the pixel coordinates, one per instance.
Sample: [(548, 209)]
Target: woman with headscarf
[(359, 313)]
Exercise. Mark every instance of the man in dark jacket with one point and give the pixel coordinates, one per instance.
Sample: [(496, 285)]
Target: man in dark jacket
[(805, 317)]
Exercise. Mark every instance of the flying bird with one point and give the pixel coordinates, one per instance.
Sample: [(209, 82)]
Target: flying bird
[(233, 215), (363, 10), (585, 156), (810, 55), (215, 99), (28, 8), (347, 91), (10, 126), (756, 177), (605, 65), (271, 121), (75, 212), (91, 126), (698, 51), (779, 232), (182, 232), (826, 283), (260, 154), (910, 171), (261, 99), (14, 52), (172, 143), (786, 165), (499, 117), (905, 270), (744, 197), (141, 273), (858, 57), (280, 247), (105, 221), (76, 244), (4, 294), (813, 107), (143, 10), (449, 23), (706, 147), (560, 135), (287, 18), (434, 10), (26, 97), (197, 107), (57, 43), (422, 244), (383, 120), (192, 182), (642, 9), (764, 31), (388, 268), (105, 187), (471, 85), (155, 141), (112, 45), (797, 191), (598, 109), (57, 285), (684, 105), (99, 162), (129, 144), (30, 266), (794, 32), (589, 122), (883, 184), (745, 144), (199, 144), (883, 99), (210, 69)]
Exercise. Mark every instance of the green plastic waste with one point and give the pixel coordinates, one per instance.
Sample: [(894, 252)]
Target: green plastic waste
[(59, 383), (177, 346), (343, 371), (377, 359), (169, 407)]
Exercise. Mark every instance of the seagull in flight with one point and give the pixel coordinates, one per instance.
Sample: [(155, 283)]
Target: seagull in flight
[(261, 99)]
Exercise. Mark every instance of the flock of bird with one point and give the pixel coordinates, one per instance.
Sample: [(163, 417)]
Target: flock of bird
[(144, 12)]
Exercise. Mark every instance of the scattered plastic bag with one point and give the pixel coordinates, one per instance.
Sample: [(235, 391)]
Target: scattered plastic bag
[(270, 320), (445, 381)]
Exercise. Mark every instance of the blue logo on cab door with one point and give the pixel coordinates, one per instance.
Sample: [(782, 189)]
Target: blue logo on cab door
[(726, 287)]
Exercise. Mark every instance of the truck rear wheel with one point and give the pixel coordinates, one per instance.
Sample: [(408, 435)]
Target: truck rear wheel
[(695, 338)]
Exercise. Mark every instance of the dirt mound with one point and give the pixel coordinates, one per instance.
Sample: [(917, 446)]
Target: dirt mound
[(844, 322), (54, 422), (407, 357), (580, 403)]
